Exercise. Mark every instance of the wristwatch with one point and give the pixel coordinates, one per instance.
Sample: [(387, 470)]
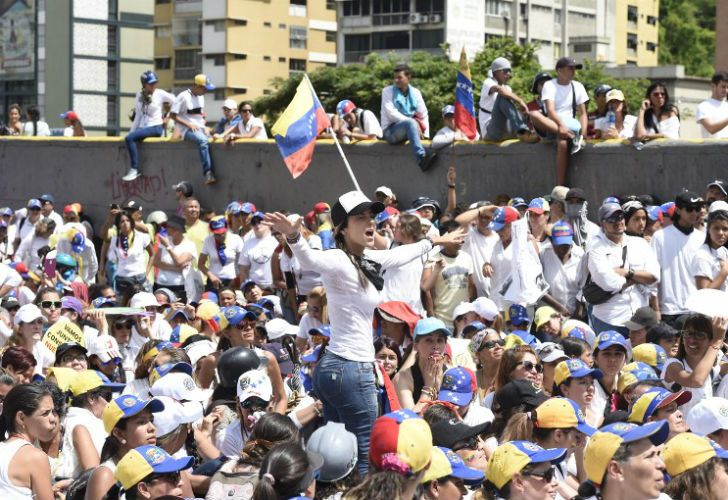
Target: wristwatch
[(630, 274)]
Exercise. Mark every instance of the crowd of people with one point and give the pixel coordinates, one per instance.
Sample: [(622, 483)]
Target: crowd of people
[(367, 350)]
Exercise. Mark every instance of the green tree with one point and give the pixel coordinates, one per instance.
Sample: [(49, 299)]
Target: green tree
[(687, 35)]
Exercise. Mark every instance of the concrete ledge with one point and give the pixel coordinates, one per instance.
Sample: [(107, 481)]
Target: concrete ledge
[(90, 170)]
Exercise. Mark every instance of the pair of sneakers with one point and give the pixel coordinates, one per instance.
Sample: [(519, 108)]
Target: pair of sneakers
[(576, 144), (133, 174)]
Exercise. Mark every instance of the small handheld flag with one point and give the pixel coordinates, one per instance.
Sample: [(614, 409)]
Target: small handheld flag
[(296, 130), (464, 107)]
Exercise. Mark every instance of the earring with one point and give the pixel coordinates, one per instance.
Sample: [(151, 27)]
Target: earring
[(123, 441)]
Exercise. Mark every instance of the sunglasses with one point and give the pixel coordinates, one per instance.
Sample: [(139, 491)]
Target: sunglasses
[(694, 335), (313, 308), (693, 208), (658, 94), (50, 304), (546, 475), (530, 366), (254, 404), (615, 218), (126, 324), (490, 344), (70, 358), (246, 110), (472, 443), (167, 477)]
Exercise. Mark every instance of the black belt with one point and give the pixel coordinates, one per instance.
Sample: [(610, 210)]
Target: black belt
[(485, 110)]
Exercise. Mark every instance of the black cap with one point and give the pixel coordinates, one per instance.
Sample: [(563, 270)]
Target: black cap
[(185, 187), (720, 184), (540, 77), (689, 199), (661, 331), (132, 206), (449, 432), (517, 393), (176, 222), (67, 346), (353, 203), (575, 193), (568, 62), (602, 88), (644, 317)]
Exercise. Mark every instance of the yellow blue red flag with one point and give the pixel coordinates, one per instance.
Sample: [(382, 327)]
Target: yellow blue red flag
[(464, 106), (296, 130)]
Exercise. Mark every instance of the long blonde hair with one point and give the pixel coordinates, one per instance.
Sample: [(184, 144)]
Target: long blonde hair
[(319, 293)]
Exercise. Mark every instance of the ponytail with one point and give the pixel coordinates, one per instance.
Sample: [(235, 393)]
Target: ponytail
[(284, 473), (587, 490), (520, 427), (109, 449), (341, 245)]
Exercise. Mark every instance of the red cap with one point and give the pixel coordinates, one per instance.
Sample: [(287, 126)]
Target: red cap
[(70, 115), (21, 268), (321, 207), (308, 218)]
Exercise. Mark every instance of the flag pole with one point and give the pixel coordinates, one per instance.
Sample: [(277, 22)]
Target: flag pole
[(336, 141)]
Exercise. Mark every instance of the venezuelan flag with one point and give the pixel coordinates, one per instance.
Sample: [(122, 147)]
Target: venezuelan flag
[(464, 107), (296, 130)]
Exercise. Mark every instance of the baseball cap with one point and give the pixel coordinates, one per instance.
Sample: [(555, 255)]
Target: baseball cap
[(321, 207), (654, 213), (462, 309), (175, 414), (718, 206), (181, 332), (448, 109), (162, 370), (126, 406), (6, 211), (229, 104), (657, 397), (543, 315), (579, 330), (485, 308), (602, 88), (345, 107), (500, 63), (427, 326), (324, 330), (27, 313), (204, 81), (720, 184), (609, 338), (162, 344), (78, 242), (198, 350), (236, 314), (688, 199), (644, 317), (517, 202), (143, 299), (178, 386), (338, 447), (218, 225), (562, 413), (668, 209), (72, 303), (254, 383), (234, 207), (569, 62), (105, 347), (604, 443), (450, 432), (386, 191), (384, 215), (88, 380), (510, 458), (146, 460), (708, 416), (652, 354), (400, 438), (47, 197), (686, 451), (540, 77), (278, 327), (577, 193), (558, 193), (69, 115), (517, 393), (574, 368), (185, 187), (446, 462), (248, 207), (458, 385), (549, 352), (562, 233), (474, 326), (518, 315), (615, 95), (353, 203), (34, 203), (539, 206), (503, 216), (608, 210), (628, 378)]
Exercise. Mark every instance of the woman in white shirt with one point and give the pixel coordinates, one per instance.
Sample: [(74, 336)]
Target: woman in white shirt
[(34, 126), (710, 263), (351, 273), (624, 123), (28, 332), (174, 257), (658, 117), (222, 249), (403, 283), (126, 249)]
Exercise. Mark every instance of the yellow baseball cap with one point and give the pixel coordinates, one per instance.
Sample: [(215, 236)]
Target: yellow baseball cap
[(63, 376), (127, 406), (146, 460), (606, 441), (543, 315), (561, 413), (439, 466), (573, 368), (652, 354), (658, 397), (510, 458), (204, 81), (88, 380), (688, 450)]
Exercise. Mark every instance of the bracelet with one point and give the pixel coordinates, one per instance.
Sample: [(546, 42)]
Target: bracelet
[(294, 239), (168, 248), (451, 186)]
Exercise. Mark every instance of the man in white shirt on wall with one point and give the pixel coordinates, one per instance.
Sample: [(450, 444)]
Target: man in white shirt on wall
[(188, 111), (712, 114), (355, 124)]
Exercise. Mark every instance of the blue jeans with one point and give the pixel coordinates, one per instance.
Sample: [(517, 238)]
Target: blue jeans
[(407, 129), (139, 135), (600, 326), (505, 121), (347, 390), (203, 145)]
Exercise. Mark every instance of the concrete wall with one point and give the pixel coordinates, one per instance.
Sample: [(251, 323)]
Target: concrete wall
[(89, 171)]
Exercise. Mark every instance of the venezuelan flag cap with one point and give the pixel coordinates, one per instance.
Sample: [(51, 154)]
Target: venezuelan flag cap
[(658, 397), (510, 458), (146, 460), (127, 406), (687, 450), (401, 441)]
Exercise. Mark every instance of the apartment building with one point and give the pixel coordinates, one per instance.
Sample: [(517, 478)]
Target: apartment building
[(242, 45)]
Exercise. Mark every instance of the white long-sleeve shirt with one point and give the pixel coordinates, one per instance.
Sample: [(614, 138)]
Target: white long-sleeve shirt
[(88, 257), (564, 278), (391, 115), (603, 257), (351, 307), (150, 115), (675, 251)]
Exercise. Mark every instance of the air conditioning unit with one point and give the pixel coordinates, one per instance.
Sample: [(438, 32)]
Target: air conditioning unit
[(435, 18), (417, 18)]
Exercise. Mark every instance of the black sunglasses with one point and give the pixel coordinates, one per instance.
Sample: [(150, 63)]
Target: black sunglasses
[(254, 404), (490, 344), (546, 475), (693, 208), (124, 324), (472, 443), (530, 366)]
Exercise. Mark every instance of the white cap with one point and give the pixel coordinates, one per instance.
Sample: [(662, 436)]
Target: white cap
[(548, 352), (143, 299), (230, 104), (198, 350), (717, 206), (179, 386), (485, 308), (27, 314), (254, 383), (462, 308), (278, 327), (277, 311), (708, 416), (385, 191), (175, 414), (105, 347), (500, 63)]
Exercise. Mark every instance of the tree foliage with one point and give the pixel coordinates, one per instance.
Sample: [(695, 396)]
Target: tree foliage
[(687, 35), (434, 75)]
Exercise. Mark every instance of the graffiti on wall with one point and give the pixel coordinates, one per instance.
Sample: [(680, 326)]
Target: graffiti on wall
[(144, 188)]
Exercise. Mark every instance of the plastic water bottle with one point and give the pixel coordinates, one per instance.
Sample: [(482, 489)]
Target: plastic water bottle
[(611, 118)]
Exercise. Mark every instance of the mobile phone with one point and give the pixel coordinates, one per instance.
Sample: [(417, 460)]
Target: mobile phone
[(114, 206)]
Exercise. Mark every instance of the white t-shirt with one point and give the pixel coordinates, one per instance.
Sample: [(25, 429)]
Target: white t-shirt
[(699, 393), (231, 440), (8, 276), (189, 107), (628, 125), (563, 278), (707, 262), (501, 262), (150, 115), (480, 248), (133, 262), (713, 110), (563, 97), (256, 255), (254, 121), (79, 416), (403, 284), (28, 250), (366, 122), (43, 357), (675, 251), (28, 225), (307, 323), (175, 278), (233, 247), (487, 101), (42, 129), (451, 284)]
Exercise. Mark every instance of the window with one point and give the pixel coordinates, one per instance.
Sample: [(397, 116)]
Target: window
[(331, 36), (218, 59), (186, 31), (160, 2), (331, 4), (111, 34), (219, 94), (427, 39), (281, 59), (240, 22), (266, 92), (187, 63), (631, 41), (239, 90), (651, 46), (266, 24), (430, 6), (240, 57), (296, 66), (112, 77), (390, 6), (356, 8), (298, 37), (557, 16), (219, 25), (390, 40), (582, 47), (298, 2), (651, 20), (496, 7), (266, 58), (163, 31), (111, 110), (282, 26), (162, 62), (632, 14)]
